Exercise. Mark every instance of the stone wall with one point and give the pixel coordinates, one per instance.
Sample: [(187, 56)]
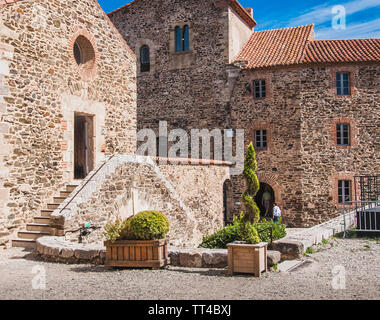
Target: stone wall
[(41, 86), (323, 162), (189, 90), (191, 195), (302, 162)]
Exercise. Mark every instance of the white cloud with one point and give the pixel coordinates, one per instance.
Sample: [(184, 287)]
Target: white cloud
[(369, 29), (322, 13)]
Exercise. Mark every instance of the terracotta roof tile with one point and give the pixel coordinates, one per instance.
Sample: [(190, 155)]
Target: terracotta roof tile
[(356, 50), (289, 46), (276, 47)]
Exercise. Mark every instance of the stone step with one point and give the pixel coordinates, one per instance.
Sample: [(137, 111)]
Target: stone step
[(289, 265), (42, 220), (53, 206), (59, 200), (65, 193), (38, 227), (71, 187), (24, 243), (46, 212), (32, 234)]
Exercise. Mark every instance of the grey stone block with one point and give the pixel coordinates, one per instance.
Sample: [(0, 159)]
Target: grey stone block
[(191, 259), (290, 249), (215, 258), (274, 257)]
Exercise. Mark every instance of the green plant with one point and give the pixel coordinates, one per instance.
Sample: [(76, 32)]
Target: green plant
[(264, 229), (247, 232), (309, 250), (275, 267), (240, 230), (149, 225), (220, 239), (252, 214), (325, 241), (118, 230)]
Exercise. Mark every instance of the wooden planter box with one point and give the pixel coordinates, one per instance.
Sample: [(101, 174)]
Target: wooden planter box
[(137, 254), (247, 258)]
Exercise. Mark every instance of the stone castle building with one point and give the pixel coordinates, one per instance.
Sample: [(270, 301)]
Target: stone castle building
[(68, 127), (76, 85), (311, 107)]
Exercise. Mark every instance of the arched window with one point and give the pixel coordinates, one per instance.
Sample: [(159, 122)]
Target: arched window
[(182, 39), (186, 38), (178, 39), (144, 59), (84, 52)]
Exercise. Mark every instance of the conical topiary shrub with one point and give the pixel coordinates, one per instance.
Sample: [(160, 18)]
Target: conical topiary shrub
[(252, 213)]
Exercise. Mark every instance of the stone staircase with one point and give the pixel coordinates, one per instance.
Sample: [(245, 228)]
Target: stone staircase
[(41, 225)]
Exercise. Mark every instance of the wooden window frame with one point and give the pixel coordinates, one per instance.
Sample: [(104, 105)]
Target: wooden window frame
[(341, 136), (262, 135), (340, 84), (262, 93), (342, 189)]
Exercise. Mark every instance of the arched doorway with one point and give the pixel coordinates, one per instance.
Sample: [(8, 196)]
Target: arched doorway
[(227, 201), (265, 199)]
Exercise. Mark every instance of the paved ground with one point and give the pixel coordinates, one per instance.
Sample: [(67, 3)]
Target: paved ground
[(360, 258)]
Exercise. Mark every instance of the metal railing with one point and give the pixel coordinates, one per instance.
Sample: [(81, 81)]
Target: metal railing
[(367, 215)]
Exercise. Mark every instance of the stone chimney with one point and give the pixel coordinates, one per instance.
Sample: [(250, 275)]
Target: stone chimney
[(250, 11)]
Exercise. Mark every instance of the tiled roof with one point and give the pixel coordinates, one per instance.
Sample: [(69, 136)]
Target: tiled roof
[(296, 45), (122, 7), (276, 47), (324, 51), (234, 4)]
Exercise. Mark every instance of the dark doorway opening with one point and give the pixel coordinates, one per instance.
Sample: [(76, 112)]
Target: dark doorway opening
[(83, 145), (265, 199)]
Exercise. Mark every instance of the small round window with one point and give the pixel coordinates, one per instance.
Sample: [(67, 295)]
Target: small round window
[(84, 55), (84, 52)]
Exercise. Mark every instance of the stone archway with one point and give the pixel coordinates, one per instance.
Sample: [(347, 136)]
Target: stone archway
[(271, 180), (265, 206)]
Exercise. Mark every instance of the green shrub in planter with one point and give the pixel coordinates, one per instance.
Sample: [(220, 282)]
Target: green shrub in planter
[(148, 225), (118, 230), (220, 239), (240, 230)]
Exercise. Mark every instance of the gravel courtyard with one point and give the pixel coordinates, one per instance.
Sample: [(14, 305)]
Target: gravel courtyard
[(361, 259)]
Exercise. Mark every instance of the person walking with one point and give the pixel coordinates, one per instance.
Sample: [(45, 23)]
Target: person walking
[(267, 202), (276, 213)]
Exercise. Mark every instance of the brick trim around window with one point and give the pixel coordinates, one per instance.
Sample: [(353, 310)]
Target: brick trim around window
[(334, 182), (88, 72), (354, 134), (352, 71), (268, 83), (261, 125)]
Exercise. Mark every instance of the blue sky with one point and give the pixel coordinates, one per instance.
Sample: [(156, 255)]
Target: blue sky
[(362, 16)]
